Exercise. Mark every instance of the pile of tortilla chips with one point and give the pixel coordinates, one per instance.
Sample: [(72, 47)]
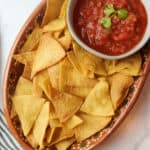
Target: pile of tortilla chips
[(66, 94)]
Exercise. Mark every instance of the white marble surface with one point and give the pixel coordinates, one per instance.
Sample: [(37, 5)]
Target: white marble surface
[(133, 134)]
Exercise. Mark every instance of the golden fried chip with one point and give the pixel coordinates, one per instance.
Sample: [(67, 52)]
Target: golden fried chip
[(57, 34), (25, 58), (54, 123), (54, 75), (74, 82), (87, 61), (40, 126), (27, 72), (24, 87), (73, 122), (48, 54), (55, 25), (13, 112), (119, 88), (128, 66), (66, 105), (91, 125), (75, 63), (52, 114), (63, 9), (41, 83), (61, 134), (28, 108), (52, 10), (65, 41), (98, 102), (49, 134), (64, 145), (32, 40)]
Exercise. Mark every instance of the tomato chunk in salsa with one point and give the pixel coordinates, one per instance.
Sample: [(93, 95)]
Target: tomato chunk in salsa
[(112, 27)]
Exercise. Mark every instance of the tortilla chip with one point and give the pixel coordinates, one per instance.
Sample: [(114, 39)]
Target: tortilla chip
[(73, 122), (94, 64), (66, 105), (75, 63), (129, 66), (40, 126), (98, 102), (57, 34), (48, 54), (91, 125), (27, 72), (61, 134), (28, 108), (54, 75), (55, 25), (119, 88), (64, 9), (52, 10), (32, 40), (64, 145), (52, 114), (74, 82), (25, 58), (66, 41), (49, 134), (54, 123), (24, 87), (13, 112), (41, 83)]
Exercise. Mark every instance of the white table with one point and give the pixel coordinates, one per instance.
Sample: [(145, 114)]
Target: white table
[(133, 134)]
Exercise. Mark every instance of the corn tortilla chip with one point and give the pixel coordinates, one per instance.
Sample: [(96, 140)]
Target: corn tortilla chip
[(24, 87), (94, 64), (41, 83), (54, 123), (64, 145), (75, 63), (13, 112), (52, 10), (61, 134), (40, 126), (28, 108), (73, 122), (57, 34), (63, 9), (65, 41), (48, 54), (119, 88), (32, 40), (98, 102), (52, 114), (49, 134), (66, 105), (91, 125), (27, 72), (25, 58), (74, 82), (54, 75), (55, 25), (129, 66)]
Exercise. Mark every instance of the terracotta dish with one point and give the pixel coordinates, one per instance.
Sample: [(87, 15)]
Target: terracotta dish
[(14, 70)]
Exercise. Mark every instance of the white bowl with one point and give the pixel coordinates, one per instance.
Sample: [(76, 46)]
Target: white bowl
[(70, 11)]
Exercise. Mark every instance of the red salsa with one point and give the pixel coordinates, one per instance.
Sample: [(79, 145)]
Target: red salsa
[(112, 27)]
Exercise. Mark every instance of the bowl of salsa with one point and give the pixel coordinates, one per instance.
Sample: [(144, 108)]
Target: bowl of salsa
[(110, 29)]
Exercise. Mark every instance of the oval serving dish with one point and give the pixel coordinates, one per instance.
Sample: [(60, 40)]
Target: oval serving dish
[(14, 70)]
